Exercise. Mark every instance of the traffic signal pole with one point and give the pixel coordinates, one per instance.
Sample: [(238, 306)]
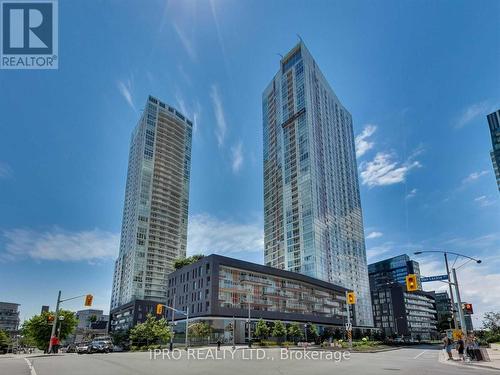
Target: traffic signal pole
[(56, 319), (454, 314), (459, 303), (349, 325), (88, 302)]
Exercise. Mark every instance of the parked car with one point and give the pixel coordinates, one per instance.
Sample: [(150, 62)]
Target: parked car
[(101, 346), (83, 348)]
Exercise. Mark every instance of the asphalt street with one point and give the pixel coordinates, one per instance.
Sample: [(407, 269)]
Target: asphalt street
[(417, 360)]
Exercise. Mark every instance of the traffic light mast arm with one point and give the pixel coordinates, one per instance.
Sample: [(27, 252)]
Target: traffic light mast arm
[(69, 299), (171, 308)]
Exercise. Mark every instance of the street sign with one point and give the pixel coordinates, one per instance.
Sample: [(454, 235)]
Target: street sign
[(434, 278)]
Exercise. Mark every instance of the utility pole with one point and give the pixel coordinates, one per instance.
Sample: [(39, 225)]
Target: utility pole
[(56, 319), (454, 315), (459, 303)]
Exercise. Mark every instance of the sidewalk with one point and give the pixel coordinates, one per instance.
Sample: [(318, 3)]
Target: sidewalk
[(492, 364)]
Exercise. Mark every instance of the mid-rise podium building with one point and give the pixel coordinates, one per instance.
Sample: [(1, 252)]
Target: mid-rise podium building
[(227, 293)]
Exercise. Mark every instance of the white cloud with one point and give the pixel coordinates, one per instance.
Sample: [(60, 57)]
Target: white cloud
[(479, 283), (473, 112), (221, 126), (384, 170), (474, 176), (125, 89), (5, 170), (186, 42), (484, 201), (375, 253), (237, 157), (411, 194), (374, 234), (362, 142), (59, 244), (208, 234)]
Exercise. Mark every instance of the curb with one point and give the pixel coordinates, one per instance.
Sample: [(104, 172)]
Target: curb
[(443, 360)]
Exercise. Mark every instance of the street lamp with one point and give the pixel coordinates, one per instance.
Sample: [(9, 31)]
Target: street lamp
[(455, 283)]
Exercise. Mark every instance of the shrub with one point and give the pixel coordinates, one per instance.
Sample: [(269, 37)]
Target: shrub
[(268, 343), (493, 338)]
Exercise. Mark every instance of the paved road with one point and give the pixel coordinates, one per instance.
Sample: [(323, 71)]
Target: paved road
[(418, 361)]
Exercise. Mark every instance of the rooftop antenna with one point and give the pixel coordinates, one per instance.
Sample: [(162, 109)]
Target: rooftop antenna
[(300, 38), (280, 55)]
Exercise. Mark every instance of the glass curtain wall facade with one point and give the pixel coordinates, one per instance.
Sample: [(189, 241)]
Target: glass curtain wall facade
[(494, 123), (155, 214), (312, 210), (393, 270)]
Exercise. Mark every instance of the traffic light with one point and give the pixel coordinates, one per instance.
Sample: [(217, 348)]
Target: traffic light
[(351, 298), (159, 309), (88, 300), (411, 282), (467, 307), (50, 318)]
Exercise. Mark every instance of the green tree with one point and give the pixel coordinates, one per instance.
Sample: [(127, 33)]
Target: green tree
[(38, 328), (92, 318), (262, 330), (4, 341), (294, 332), (121, 338), (200, 330), (312, 332), (491, 322), (181, 262), (279, 331), (152, 331)]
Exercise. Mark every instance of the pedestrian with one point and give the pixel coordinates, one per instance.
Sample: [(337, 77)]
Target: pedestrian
[(460, 348), (447, 346), (54, 341), (469, 347), (218, 344)]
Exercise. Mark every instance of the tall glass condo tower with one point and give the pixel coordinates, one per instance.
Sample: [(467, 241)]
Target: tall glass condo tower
[(155, 214), (312, 210)]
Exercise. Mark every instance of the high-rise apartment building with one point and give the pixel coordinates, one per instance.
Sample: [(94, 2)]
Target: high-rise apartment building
[(312, 210), (155, 214), (494, 123)]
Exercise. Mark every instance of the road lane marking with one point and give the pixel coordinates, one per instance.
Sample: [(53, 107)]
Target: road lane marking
[(32, 369), (418, 355)]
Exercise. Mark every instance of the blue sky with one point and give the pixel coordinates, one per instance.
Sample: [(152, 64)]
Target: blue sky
[(418, 78)]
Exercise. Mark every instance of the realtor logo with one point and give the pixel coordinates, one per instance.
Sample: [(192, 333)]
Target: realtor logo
[(29, 37)]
